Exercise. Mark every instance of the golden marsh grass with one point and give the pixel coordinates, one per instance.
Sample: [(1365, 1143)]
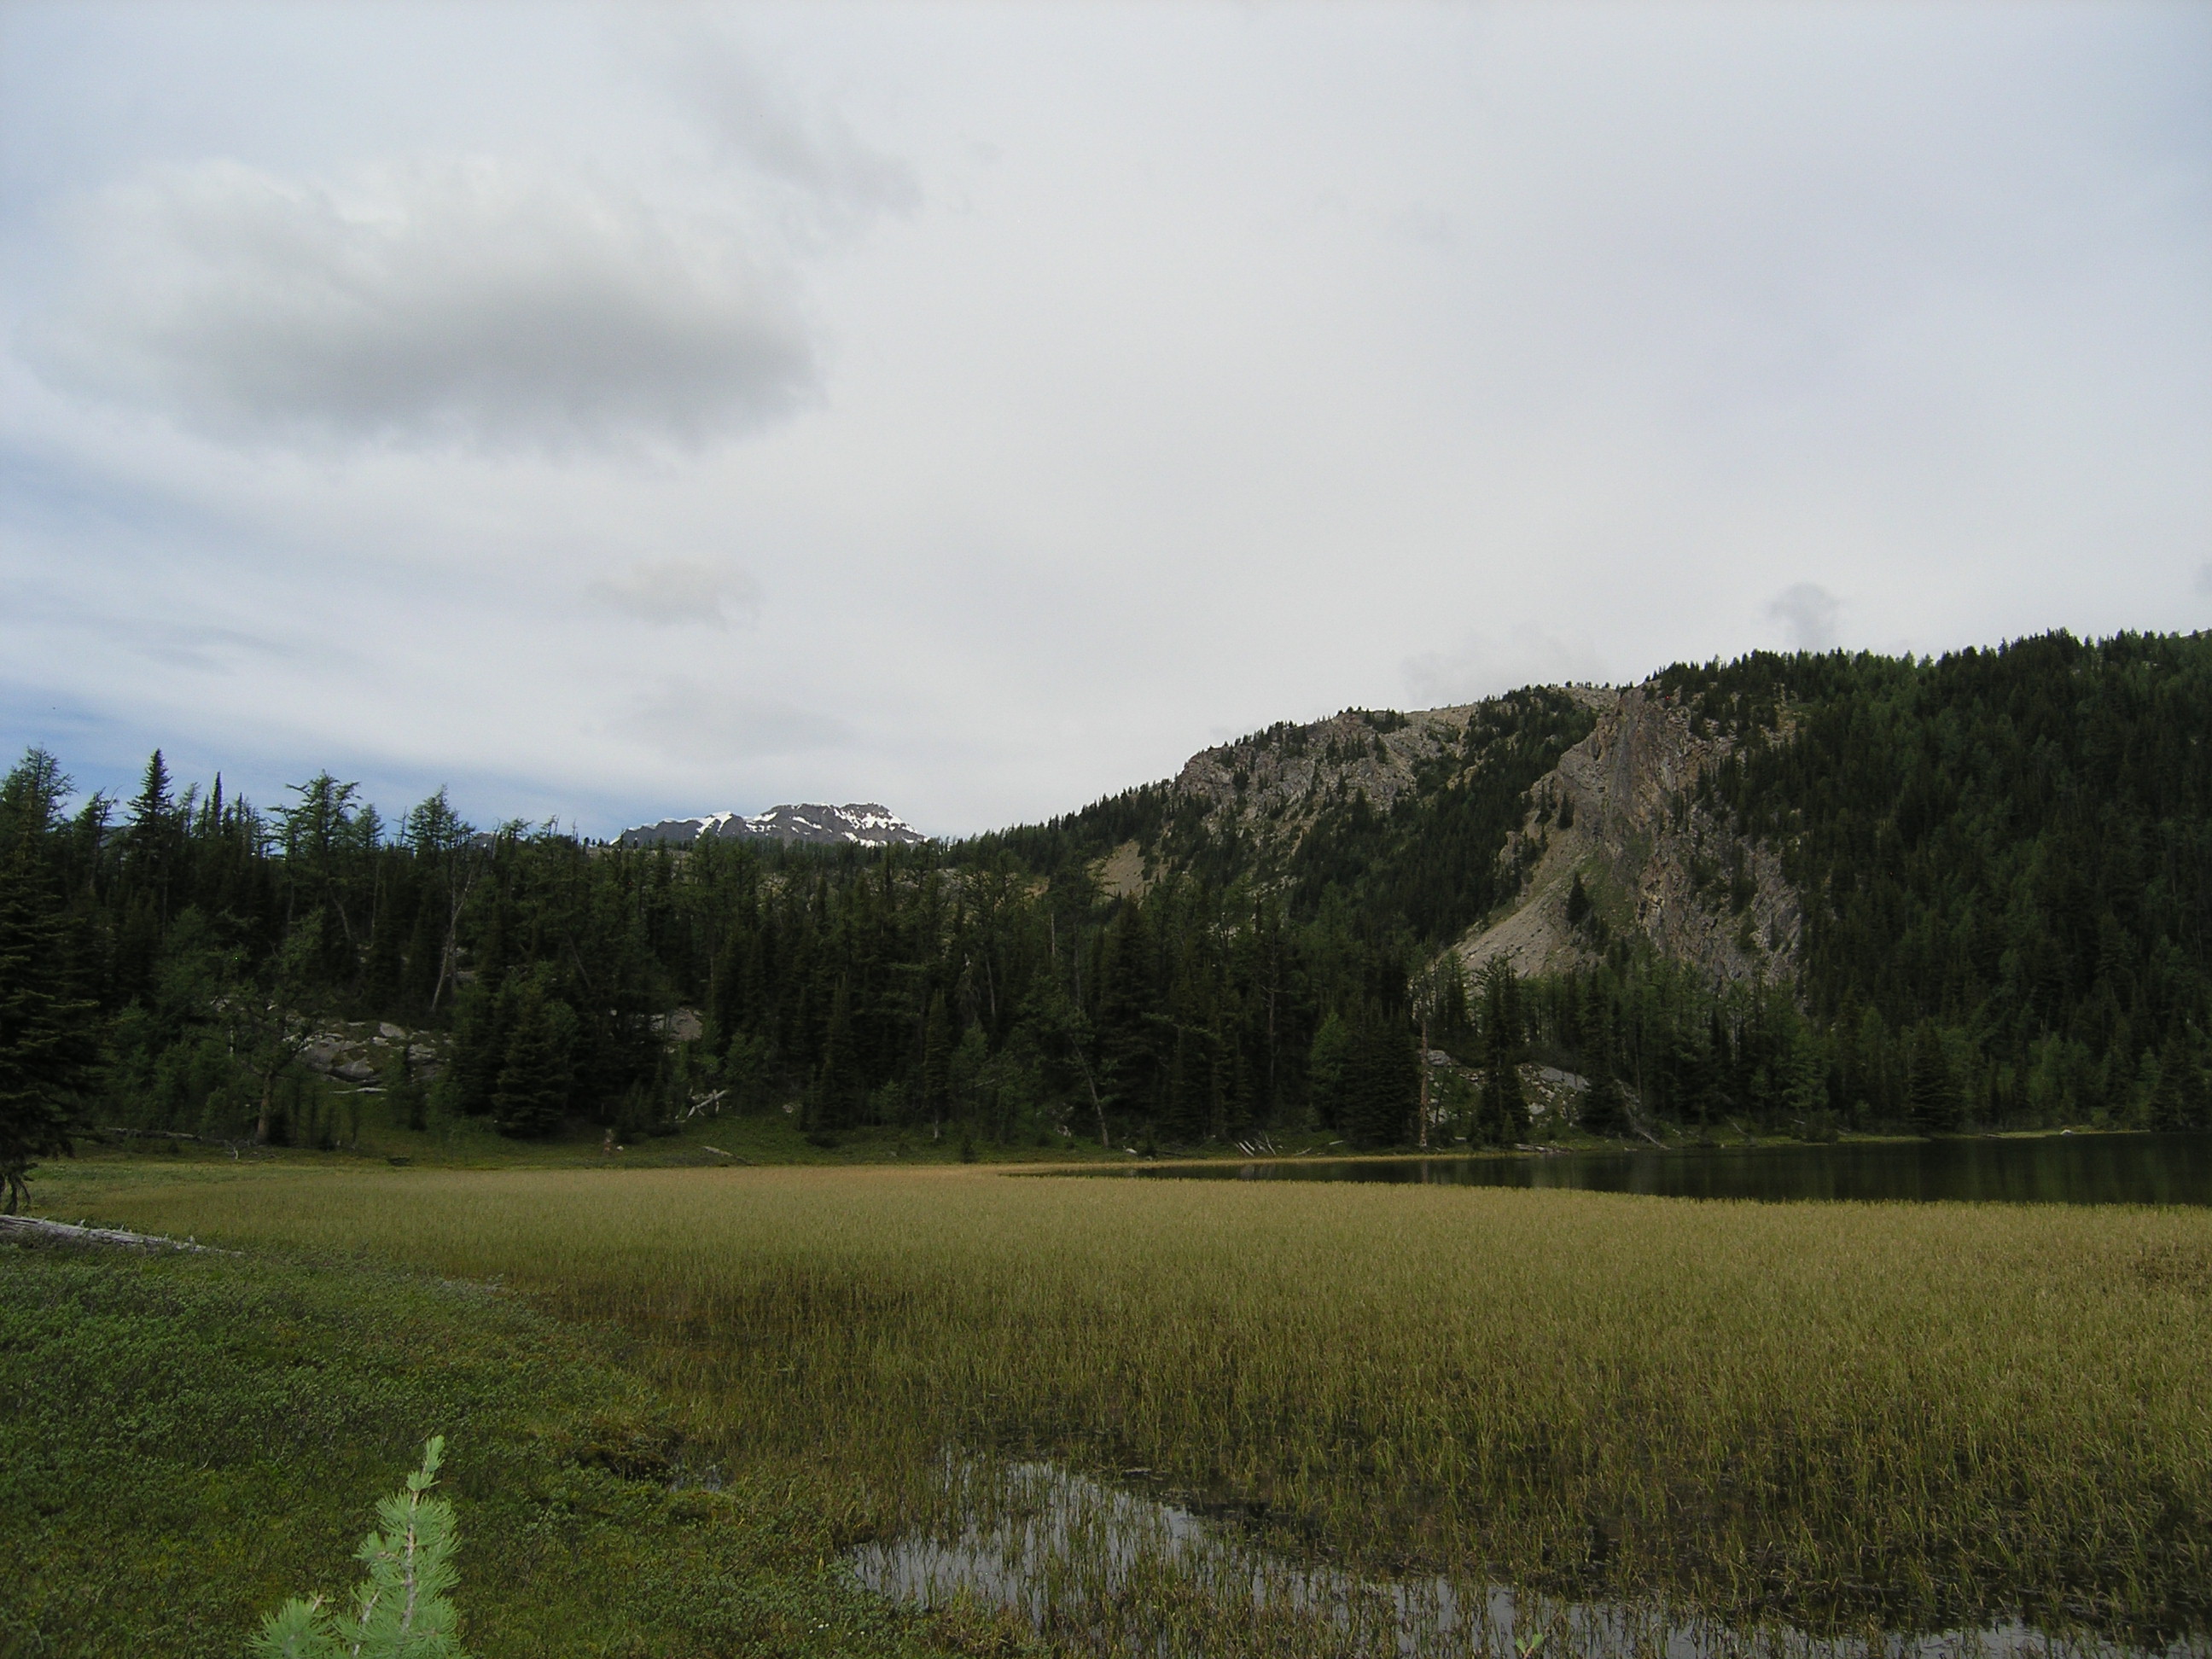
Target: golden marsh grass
[(1835, 1414)]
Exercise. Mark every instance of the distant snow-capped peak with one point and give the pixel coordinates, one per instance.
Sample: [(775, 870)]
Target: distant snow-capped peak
[(857, 823)]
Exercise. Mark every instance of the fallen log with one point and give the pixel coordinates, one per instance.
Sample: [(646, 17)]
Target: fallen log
[(62, 1232)]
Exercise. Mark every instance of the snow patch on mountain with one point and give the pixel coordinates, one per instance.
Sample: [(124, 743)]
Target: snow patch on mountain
[(857, 823)]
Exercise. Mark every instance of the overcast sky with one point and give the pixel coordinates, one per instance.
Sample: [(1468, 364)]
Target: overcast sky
[(977, 409)]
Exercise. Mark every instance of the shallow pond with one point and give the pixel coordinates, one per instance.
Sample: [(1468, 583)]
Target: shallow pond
[(2061, 1169), (1101, 1570)]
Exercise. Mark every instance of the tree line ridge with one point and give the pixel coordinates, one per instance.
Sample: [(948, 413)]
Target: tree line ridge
[(1818, 891)]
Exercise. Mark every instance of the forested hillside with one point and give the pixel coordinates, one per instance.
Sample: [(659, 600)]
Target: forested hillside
[(2009, 852), (2003, 860)]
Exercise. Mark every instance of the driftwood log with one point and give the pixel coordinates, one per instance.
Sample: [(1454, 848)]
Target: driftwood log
[(27, 1227)]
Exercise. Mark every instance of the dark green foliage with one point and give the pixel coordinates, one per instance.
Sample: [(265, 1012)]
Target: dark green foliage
[(482, 1025), (1501, 1118), (2006, 858), (1139, 814), (384, 963), (1383, 1081), (2015, 844), (1329, 1067), (48, 1027), (1658, 1043), (1932, 1095), (538, 1071), (1605, 1106), (189, 1439), (2182, 1096), (1365, 1074), (935, 1084), (837, 1082), (404, 1096), (46, 1032)]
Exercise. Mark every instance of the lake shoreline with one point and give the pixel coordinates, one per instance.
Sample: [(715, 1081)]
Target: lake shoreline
[(2113, 1167)]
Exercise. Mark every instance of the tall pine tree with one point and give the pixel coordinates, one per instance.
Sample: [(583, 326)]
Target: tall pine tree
[(46, 1031)]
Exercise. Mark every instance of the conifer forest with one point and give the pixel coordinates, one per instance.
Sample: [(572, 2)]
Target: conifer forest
[(2004, 859)]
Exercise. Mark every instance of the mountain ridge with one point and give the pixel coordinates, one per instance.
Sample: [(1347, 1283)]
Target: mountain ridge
[(1813, 892), (856, 824)]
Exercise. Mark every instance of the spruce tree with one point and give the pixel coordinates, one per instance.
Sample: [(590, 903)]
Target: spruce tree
[(46, 1033), (1504, 1102), (30, 797), (1605, 1106), (1579, 904), (836, 1082), (424, 956), (150, 838), (2180, 1100), (532, 1096), (1382, 1080), (382, 965), (1504, 1114), (1187, 1087), (1327, 1068), (483, 1021), (138, 947), (1454, 1024), (402, 1095), (1932, 1091), (1128, 1001), (2193, 1090), (936, 1060)]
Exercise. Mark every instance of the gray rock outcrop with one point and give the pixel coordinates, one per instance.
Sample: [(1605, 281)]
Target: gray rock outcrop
[(1620, 813)]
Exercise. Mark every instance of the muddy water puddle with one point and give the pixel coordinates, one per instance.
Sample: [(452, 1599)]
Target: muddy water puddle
[(1109, 1570)]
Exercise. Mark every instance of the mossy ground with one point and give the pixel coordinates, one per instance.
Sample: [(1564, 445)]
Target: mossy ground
[(187, 1440)]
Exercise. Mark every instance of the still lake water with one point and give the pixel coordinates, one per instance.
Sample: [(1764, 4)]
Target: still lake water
[(2083, 1169)]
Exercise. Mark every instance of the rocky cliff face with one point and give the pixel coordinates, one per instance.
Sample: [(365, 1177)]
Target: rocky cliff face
[(1272, 787), (1619, 812), (1268, 790), (1284, 776)]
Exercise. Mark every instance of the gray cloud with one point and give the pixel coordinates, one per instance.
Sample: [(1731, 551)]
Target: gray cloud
[(1231, 366), (217, 650), (1483, 665), (671, 593), (691, 723), (810, 149), (442, 301), (1811, 613)]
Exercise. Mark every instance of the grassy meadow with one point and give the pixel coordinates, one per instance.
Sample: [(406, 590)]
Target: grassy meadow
[(1839, 1416), (186, 1441)]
